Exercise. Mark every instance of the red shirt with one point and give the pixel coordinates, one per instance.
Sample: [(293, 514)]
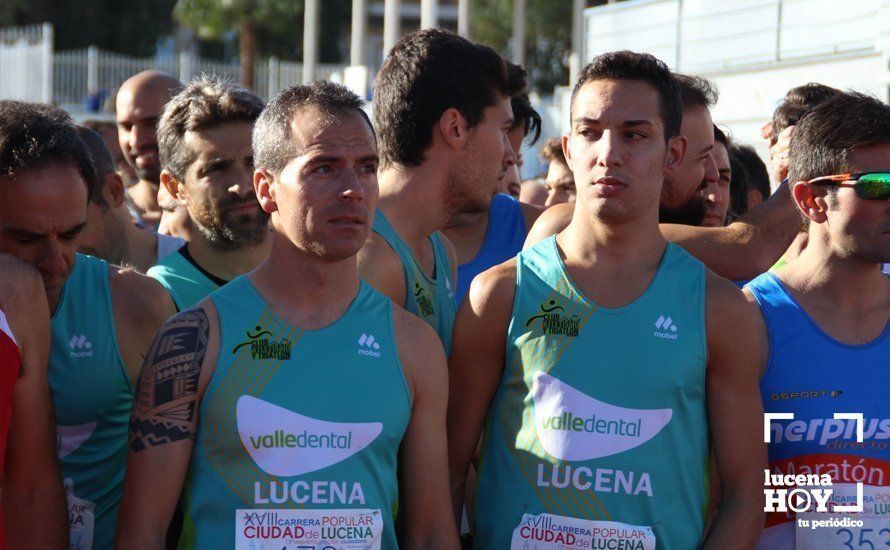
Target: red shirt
[(10, 365)]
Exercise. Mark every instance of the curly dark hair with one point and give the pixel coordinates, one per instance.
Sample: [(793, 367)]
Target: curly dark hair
[(34, 135)]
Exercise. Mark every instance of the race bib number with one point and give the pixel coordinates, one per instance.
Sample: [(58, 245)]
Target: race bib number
[(830, 531), (81, 520), (550, 532), (262, 529)]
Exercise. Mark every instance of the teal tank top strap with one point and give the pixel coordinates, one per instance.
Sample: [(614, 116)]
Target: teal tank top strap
[(299, 430), (92, 398), (576, 449), (187, 284), (431, 299)]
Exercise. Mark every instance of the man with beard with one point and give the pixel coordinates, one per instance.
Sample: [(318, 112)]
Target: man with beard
[(204, 142), (110, 233), (740, 251), (103, 318), (353, 386), (826, 317), (139, 104), (442, 107)]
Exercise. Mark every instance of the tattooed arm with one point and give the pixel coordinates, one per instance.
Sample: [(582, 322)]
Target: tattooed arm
[(164, 423)]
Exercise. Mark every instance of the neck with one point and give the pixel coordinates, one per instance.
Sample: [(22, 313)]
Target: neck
[(145, 195), (467, 219), (838, 280), (141, 249), (411, 198), (328, 287), (589, 240), (227, 264)]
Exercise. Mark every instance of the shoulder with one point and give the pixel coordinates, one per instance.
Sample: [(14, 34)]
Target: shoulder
[(19, 282), (530, 214), (23, 301), (733, 316), (139, 297), (550, 222), (420, 350), (381, 267), (494, 287)]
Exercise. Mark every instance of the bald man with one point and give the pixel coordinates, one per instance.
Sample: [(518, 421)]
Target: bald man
[(140, 102)]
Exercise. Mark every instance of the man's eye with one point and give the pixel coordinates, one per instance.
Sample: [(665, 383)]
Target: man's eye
[(323, 169)]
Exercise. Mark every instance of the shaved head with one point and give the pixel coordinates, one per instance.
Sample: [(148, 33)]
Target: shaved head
[(140, 103)]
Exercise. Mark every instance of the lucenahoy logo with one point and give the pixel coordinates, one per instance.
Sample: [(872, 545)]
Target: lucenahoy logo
[(571, 425), (284, 443)]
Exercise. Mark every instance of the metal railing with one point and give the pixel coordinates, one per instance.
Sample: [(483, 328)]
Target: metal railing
[(85, 79)]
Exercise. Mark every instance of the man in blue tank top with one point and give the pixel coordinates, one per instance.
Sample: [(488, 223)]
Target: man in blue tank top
[(102, 317), (280, 406), (204, 143), (826, 314), (594, 360), (442, 152), (485, 239)]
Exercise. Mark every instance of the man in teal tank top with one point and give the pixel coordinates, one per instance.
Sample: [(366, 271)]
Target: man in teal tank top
[(594, 361), (288, 406), (102, 317), (204, 143), (442, 153)]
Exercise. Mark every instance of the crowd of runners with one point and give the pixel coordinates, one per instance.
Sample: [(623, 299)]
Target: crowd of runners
[(226, 323)]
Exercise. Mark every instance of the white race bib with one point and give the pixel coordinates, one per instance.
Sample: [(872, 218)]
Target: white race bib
[(261, 529), (81, 519), (875, 518), (550, 532)]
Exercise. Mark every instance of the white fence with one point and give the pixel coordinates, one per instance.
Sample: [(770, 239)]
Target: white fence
[(82, 80), (704, 36), (26, 63)]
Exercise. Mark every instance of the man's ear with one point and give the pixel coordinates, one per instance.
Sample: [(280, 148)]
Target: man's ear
[(114, 190), (566, 151), (811, 200), (452, 128), (172, 185), (265, 190), (676, 153)]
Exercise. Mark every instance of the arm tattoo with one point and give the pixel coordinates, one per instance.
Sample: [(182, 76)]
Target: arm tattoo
[(164, 409)]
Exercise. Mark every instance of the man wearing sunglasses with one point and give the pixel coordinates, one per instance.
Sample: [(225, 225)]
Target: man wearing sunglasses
[(827, 315)]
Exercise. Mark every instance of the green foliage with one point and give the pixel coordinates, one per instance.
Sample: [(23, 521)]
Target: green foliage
[(131, 27), (279, 24), (548, 36)]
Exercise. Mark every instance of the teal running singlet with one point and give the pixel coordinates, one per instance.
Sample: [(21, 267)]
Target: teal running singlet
[(598, 434), (299, 430), (187, 283), (430, 299), (92, 396)]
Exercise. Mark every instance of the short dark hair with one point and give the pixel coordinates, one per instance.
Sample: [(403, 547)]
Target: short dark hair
[(643, 67), (525, 114), (722, 137), (33, 136), (738, 186), (272, 141), (204, 103), (102, 160), (798, 102), (758, 176), (696, 91), (824, 137), (426, 73)]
